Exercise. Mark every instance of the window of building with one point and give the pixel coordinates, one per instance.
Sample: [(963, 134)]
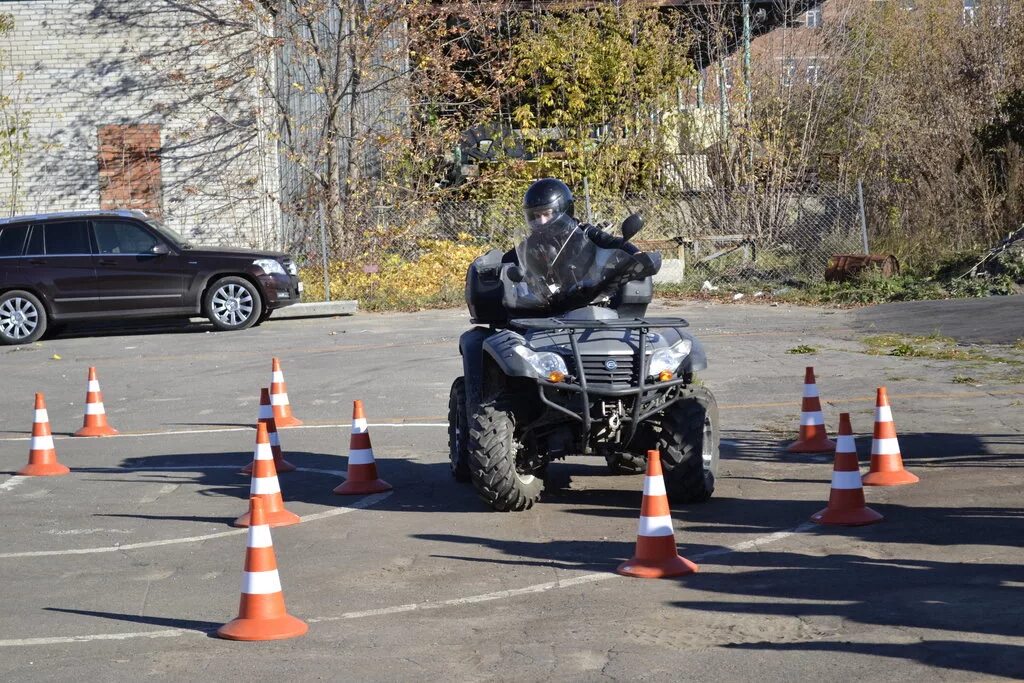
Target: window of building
[(812, 19), (813, 71), (788, 71), (970, 11)]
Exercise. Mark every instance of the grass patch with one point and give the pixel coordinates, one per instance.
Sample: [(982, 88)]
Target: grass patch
[(964, 379), (803, 348)]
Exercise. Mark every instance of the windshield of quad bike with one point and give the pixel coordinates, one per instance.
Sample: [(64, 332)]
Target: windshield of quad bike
[(561, 265)]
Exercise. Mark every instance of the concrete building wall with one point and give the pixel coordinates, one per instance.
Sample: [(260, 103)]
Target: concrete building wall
[(88, 65)]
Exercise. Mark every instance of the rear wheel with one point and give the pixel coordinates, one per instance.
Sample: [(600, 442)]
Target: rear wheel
[(22, 317), (458, 431), (689, 448), (494, 455)]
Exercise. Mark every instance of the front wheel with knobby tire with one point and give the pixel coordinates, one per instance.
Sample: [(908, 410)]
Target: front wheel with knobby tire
[(458, 431), (232, 303), (494, 460), (22, 317), (689, 448)]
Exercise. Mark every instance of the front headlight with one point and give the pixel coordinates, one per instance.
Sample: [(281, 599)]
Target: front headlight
[(543, 362), (269, 266), (669, 359)]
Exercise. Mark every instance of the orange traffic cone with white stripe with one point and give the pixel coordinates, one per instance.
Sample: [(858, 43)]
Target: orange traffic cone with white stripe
[(266, 416), (886, 461), (846, 505), (261, 611), (656, 555), (265, 485), (362, 469), (813, 438), (95, 423), (42, 456), (279, 399)]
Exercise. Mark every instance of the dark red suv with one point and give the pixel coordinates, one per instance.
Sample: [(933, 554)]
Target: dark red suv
[(108, 265)]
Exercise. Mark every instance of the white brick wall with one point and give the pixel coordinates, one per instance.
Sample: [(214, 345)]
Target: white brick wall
[(85, 65)]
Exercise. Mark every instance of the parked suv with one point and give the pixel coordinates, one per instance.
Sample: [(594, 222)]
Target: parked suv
[(109, 265)]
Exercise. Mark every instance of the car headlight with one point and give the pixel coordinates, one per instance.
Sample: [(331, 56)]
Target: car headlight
[(669, 359), (269, 266), (544, 363)]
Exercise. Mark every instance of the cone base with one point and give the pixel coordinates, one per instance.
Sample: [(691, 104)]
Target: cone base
[(289, 421), (278, 518), (49, 469), (817, 446), (96, 431), (897, 478), (857, 517), (644, 569), (283, 466), (278, 628), (362, 488)]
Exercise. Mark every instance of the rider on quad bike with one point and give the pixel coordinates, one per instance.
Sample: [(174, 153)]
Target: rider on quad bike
[(565, 361)]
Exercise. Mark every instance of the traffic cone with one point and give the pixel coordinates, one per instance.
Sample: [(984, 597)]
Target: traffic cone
[(279, 399), (265, 485), (813, 438), (261, 611), (42, 457), (266, 416), (95, 423), (362, 470), (656, 555), (846, 499), (886, 461)]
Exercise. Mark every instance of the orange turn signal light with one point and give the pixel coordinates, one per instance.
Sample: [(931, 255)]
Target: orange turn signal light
[(556, 376), (665, 375)]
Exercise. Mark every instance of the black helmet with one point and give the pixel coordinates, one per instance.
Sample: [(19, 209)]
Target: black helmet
[(547, 199)]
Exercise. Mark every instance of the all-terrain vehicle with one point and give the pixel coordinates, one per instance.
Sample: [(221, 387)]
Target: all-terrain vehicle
[(564, 360)]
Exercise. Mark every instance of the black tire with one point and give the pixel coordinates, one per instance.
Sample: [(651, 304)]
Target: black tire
[(492, 461), (232, 303), (458, 431), (689, 448), (22, 317), (264, 316), (626, 463)]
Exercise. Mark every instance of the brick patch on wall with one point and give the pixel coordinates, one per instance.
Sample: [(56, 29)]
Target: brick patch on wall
[(129, 167)]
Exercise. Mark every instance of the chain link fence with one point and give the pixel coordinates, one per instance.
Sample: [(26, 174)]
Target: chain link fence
[(417, 255)]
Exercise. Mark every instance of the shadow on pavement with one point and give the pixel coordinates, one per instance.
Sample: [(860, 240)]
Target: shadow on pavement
[(207, 627)]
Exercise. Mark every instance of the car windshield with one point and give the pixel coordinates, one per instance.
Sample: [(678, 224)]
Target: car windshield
[(562, 266), (173, 234)]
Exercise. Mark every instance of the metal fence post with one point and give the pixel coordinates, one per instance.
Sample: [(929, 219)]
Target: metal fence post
[(586, 198), (863, 216), (323, 254)]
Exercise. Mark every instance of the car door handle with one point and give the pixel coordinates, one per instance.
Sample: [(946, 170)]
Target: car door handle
[(107, 262), (36, 262)]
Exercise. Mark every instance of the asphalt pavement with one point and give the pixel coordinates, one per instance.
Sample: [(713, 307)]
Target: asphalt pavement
[(123, 569)]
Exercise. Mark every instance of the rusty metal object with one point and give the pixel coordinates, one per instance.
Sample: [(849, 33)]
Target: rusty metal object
[(842, 267)]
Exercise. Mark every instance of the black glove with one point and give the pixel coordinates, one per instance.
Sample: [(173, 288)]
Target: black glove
[(647, 263)]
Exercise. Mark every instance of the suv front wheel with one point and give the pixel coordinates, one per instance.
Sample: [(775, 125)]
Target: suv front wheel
[(22, 317), (232, 303)]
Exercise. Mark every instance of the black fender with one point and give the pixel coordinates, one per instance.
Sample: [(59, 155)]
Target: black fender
[(471, 347)]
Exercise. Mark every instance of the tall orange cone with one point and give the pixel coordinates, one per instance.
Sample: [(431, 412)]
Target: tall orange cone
[(813, 438), (886, 461), (42, 457), (656, 555), (265, 485), (261, 611), (362, 469), (95, 423), (279, 399), (266, 416), (846, 500)]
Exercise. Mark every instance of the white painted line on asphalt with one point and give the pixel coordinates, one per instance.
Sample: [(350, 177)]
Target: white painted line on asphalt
[(12, 482), (183, 432), (358, 505), (412, 607)]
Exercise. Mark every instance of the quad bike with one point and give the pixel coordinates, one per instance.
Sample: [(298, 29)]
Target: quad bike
[(563, 360)]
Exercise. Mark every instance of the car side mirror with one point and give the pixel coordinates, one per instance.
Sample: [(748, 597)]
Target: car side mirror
[(515, 274), (160, 249), (632, 225)]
